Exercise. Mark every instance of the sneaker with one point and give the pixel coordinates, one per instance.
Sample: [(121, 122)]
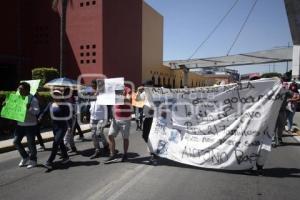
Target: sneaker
[(31, 164), (96, 155), (24, 162), (72, 150), (48, 165), (124, 158), (41, 148), (110, 159), (80, 138), (153, 159), (65, 160)]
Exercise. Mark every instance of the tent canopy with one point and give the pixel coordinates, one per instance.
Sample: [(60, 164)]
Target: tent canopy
[(254, 58)]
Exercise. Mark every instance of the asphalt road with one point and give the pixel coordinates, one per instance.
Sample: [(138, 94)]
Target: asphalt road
[(87, 179)]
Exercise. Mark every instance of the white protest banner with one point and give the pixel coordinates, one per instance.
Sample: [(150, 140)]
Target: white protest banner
[(220, 127), (112, 88)]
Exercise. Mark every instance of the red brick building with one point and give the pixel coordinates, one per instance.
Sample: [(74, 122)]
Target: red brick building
[(102, 36)]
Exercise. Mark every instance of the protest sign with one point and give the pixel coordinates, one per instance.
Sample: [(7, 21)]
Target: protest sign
[(138, 104), (15, 107), (112, 93), (34, 85), (220, 127)]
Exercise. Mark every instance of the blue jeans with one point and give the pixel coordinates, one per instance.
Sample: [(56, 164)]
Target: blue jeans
[(59, 132), (29, 132), (290, 118)]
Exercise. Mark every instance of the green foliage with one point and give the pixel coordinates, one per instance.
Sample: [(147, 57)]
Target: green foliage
[(270, 75), (3, 95), (45, 74)]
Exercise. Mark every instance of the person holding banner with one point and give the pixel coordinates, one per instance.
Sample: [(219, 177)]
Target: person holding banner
[(148, 112), (121, 123), (27, 128), (292, 106), (61, 115)]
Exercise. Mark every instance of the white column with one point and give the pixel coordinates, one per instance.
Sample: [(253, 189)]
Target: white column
[(185, 77), (296, 61)]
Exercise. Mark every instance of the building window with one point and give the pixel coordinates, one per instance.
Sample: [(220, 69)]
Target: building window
[(94, 53), (81, 54), (81, 4), (94, 61), (87, 54), (94, 46), (94, 2), (87, 46), (81, 47), (87, 3), (81, 61), (87, 61)]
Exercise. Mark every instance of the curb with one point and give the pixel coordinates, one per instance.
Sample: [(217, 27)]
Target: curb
[(11, 147)]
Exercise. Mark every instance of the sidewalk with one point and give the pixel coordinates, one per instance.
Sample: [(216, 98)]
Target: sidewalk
[(297, 126), (7, 145)]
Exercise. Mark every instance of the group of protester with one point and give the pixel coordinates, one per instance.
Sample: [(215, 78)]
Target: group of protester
[(63, 113), (287, 110)]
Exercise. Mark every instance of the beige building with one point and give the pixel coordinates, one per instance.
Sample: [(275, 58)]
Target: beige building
[(152, 57)]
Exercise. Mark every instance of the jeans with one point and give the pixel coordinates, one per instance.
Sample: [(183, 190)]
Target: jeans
[(38, 135), (59, 132), (280, 124), (78, 129), (147, 127), (290, 118), (97, 134), (29, 132)]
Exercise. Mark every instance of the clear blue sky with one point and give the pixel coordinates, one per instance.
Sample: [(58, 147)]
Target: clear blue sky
[(187, 23)]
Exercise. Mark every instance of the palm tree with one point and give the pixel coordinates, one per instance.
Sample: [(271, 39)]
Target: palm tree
[(64, 4)]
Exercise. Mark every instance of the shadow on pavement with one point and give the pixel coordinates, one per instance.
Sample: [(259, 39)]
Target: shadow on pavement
[(268, 172), (290, 144), (87, 152), (60, 166), (282, 172)]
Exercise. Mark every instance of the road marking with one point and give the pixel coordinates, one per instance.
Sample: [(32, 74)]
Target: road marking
[(116, 188)]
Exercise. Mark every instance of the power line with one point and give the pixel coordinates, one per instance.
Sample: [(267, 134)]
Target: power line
[(214, 29), (242, 27)]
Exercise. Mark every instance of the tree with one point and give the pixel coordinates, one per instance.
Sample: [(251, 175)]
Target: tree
[(62, 31), (270, 75)]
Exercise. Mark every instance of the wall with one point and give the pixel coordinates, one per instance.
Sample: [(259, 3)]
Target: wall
[(122, 39), (84, 53), (152, 36)]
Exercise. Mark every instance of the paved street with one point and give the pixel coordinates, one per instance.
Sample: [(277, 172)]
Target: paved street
[(135, 180)]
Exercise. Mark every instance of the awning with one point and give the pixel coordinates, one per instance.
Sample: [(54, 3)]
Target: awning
[(259, 57)]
